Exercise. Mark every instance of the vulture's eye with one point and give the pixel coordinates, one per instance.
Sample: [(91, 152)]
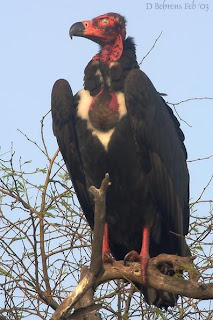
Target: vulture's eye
[(104, 21)]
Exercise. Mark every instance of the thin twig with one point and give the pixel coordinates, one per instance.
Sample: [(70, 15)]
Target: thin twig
[(181, 119), (151, 48), (200, 159), (41, 225), (42, 135), (204, 189), (34, 142), (189, 99)]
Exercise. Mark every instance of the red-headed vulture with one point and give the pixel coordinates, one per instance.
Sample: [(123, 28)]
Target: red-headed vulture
[(119, 124)]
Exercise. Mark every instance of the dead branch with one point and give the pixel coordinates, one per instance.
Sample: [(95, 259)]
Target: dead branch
[(175, 284), (89, 276), (85, 308), (96, 266)]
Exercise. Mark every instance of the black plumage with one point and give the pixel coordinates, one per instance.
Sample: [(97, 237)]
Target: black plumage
[(120, 124)]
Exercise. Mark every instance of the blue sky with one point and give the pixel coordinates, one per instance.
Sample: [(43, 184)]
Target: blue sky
[(36, 50)]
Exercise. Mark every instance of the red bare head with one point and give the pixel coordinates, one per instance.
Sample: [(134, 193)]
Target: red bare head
[(104, 29)]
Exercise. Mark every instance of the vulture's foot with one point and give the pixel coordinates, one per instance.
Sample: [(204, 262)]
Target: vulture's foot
[(143, 257), (133, 256)]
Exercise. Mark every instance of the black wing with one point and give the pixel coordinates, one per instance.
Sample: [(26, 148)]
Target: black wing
[(157, 131), (63, 114)]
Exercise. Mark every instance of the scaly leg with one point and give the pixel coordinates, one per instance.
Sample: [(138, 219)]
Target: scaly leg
[(106, 253), (143, 257), (144, 254)]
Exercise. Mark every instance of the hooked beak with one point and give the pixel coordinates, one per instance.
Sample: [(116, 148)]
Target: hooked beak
[(77, 29)]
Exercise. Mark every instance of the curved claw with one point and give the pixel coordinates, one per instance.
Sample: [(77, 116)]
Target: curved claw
[(107, 257), (133, 256)]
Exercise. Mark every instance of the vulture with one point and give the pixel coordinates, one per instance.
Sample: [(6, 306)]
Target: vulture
[(119, 124)]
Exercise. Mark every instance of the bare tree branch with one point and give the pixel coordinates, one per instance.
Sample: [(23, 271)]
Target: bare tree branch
[(96, 266), (85, 308), (188, 288)]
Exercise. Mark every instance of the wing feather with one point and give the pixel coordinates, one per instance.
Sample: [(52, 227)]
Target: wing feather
[(157, 130), (63, 115)]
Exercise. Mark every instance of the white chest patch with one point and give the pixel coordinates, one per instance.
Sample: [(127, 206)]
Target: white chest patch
[(83, 112)]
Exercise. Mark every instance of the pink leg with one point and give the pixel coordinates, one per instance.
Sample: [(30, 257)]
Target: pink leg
[(143, 257), (144, 254), (106, 253)]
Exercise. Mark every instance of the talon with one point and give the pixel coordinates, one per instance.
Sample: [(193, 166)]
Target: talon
[(143, 257), (131, 256), (107, 257)]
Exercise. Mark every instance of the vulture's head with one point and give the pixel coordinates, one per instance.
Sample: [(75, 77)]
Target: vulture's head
[(104, 30)]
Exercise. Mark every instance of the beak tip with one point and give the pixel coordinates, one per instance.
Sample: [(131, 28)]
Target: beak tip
[(77, 29)]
